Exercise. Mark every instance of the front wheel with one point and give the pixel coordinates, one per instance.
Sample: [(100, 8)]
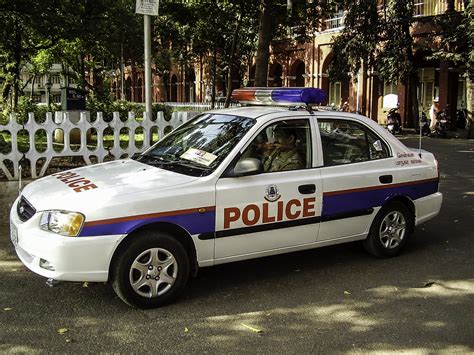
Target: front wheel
[(389, 230), (152, 270)]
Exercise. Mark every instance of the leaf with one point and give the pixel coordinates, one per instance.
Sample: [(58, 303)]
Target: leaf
[(428, 284), (85, 284), (7, 309), (186, 329), (62, 330), (252, 328), (347, 293)]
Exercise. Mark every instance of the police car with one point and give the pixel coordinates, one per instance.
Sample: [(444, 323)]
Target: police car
[(228, 185)]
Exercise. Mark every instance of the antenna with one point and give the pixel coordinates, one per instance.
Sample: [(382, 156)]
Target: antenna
[(19, 179), (419, 139)]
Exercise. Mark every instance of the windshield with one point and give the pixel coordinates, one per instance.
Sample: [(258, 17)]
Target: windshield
[(199, 146)]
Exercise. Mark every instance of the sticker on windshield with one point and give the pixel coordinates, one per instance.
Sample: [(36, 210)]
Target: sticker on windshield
[(199, 156)]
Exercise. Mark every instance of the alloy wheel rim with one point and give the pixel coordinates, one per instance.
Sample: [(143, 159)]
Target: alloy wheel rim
[(392, 230), (153, 272)]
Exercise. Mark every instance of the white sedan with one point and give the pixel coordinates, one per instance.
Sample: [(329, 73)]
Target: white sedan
[(228, 185)]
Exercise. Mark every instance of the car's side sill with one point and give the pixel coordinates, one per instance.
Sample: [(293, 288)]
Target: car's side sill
[(270, 252)]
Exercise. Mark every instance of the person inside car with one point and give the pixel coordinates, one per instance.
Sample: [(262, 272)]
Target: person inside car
[(284, 155)]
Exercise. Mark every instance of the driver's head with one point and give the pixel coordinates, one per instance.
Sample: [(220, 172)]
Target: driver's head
[(285, 136)]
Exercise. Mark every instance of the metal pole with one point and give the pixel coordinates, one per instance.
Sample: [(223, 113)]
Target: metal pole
[(147, 28), (122, 73)]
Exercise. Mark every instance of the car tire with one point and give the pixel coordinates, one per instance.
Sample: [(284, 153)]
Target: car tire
[(151, 271), (389, 231)]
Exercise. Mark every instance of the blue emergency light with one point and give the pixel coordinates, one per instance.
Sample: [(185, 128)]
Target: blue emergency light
[(274, 96)]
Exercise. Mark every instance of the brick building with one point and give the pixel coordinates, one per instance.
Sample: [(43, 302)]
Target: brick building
[(307, 65)]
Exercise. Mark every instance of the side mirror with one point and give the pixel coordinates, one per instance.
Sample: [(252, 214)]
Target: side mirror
[(246, 167)]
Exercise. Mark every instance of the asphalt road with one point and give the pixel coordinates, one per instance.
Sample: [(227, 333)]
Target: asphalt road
[(330, 300)]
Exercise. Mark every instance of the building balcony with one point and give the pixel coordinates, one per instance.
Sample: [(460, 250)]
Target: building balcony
[(425, 8)]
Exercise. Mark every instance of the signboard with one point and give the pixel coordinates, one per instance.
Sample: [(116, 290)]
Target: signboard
[(73, 99), (147, 7)]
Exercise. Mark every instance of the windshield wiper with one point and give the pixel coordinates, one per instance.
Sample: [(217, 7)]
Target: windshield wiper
[(186, 163)]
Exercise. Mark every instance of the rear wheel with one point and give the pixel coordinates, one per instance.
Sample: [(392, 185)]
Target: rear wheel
[(152, 270), (389, 231)]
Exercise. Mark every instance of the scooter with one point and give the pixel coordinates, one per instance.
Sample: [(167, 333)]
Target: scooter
[(394, 121), (441, 126), (424, 125)]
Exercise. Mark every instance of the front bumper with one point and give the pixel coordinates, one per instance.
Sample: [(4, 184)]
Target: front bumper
[(62, 258)]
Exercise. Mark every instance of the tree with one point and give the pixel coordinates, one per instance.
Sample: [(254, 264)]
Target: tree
[(27, 27), (86, 36), (219, 33), (378, 41)]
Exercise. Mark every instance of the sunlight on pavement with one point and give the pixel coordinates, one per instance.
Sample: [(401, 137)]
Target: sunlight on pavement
[(17, 349), (10, 264), (453, 349), (342, 314), (435, 288)]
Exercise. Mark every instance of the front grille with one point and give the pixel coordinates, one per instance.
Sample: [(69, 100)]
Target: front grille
[(24, 209)]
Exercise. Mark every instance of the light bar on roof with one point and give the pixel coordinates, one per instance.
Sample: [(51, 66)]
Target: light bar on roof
[(275, 96)]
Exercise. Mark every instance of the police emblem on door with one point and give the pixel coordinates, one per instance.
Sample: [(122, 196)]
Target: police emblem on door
[(271, 193)]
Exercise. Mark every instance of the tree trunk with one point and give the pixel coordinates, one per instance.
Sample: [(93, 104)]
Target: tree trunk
[(17, 66), (82, 72), (412, 79), (214, 78), (265, 35), (32, 87), (231, 61)]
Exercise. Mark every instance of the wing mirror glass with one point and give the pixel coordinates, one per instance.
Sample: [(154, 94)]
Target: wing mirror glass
[(247, 166)]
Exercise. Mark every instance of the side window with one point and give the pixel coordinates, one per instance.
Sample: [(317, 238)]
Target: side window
[(346, 142), (281, 146)]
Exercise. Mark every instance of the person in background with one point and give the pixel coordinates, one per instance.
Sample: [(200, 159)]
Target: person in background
[(434, 109), (345, 106)]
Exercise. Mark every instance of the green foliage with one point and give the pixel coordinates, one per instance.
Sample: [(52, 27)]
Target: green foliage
[(123, 108), (24, 107), (358, 41), (395, 54), (83, 35), (456, 37)]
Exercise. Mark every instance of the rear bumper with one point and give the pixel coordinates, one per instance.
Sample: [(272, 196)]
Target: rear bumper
[(427, 207)]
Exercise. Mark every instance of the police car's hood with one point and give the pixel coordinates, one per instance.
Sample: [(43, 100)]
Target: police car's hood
[(117, 178)]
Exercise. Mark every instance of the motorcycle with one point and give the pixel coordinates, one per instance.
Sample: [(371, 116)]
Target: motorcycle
[(424, 125), (441, 126), (394, 121)]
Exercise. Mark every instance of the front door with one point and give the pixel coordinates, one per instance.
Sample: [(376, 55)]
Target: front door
[(278, 208)]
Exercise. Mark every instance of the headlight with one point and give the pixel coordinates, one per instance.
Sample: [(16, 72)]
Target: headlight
[(65, 223)]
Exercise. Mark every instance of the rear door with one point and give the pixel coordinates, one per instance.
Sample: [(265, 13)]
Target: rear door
[(356, 174)]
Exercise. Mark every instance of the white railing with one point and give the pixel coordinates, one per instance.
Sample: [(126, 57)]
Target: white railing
[(58, 133), (434, 7), (335, 23)]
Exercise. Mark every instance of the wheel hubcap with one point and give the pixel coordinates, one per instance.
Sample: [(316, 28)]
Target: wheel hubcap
[(392, 230), (153, 272)]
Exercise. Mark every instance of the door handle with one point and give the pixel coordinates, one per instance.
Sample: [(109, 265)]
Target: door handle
[(307, 189), (386, 179)]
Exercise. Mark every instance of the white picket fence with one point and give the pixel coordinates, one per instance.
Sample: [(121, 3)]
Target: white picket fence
[(84, 125)]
